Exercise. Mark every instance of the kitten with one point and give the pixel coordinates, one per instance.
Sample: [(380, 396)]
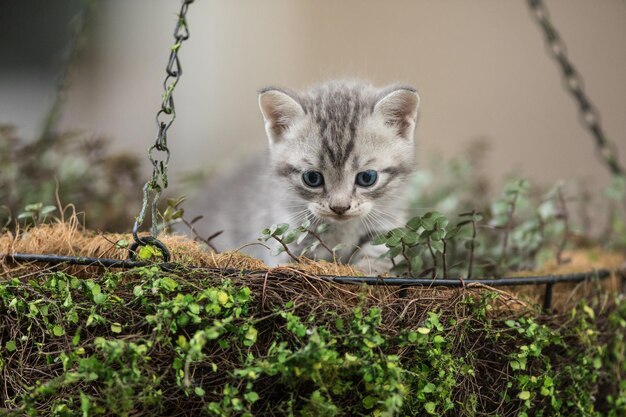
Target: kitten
[(340, 153)]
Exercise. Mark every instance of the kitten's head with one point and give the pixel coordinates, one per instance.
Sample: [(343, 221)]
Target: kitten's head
[(341, 148)]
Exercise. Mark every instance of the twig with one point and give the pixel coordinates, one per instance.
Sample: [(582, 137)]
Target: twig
[(317, 236), (564, 215), (430, 248), (408, 261), (287, 251), (198, 237), (507, 228), (471, 249), (445, 263)]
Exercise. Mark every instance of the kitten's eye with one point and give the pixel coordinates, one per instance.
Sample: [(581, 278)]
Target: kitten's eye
[(313, 178), (366, 178)]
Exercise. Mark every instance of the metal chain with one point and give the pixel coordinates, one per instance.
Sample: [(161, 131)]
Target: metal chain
[(159, 153), (573, 82)]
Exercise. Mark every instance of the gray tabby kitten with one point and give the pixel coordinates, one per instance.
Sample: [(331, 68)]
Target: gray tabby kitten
[(340, 153)]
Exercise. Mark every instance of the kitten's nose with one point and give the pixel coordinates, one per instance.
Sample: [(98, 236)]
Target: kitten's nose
[(340, 209)]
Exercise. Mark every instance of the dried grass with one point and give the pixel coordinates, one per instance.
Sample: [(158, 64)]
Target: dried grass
[(67, 236), (298, 283)]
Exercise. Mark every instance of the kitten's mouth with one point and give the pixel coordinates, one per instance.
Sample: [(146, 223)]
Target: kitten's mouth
[(333, 217), (339, 217)]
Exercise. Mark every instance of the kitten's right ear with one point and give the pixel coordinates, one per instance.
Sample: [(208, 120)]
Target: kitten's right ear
[(399, 107), (280, 111)]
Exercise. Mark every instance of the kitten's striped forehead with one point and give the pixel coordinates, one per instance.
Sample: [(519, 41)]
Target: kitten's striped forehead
[(337, 110)]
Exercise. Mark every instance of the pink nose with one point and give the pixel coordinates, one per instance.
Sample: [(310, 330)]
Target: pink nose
[(340, 209)]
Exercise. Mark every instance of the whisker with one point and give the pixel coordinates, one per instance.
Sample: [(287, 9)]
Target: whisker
[(380, 225), (386, 220), (368, 227)]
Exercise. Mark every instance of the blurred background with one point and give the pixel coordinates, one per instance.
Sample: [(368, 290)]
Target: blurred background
[(481, 67)]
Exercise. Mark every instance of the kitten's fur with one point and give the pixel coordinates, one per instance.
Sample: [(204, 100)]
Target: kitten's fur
[(339, 128)]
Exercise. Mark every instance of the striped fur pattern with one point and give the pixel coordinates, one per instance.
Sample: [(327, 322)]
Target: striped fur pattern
[(339, 129)]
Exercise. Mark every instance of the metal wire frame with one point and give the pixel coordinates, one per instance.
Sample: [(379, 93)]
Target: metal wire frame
[(403, 282)]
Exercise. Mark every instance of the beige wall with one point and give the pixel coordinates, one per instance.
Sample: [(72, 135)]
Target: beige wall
[(481, 68)]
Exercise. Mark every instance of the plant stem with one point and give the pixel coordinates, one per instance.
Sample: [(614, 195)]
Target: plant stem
[(287, 251), (471, 251), (445, 263), (408, 261), (430, 248), (564, 214), (316, 236), (507, 228), (198, 237)]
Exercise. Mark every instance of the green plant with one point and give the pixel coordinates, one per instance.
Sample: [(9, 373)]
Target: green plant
[(187, 342), (75, 167), (285, 235), (36, 213)]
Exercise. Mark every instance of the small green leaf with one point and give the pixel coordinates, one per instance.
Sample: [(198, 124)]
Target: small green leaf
[(10, 345), (138, 291), (222, 297), (33, 207), (437, 246), (339, 246), (589, 311), (168, 283), (116, 328), (410, 238), (428, 388), (84, 403), (291, 236), (58, 330), (321, 228), (379, 240), (416, 265), (369, 402), (430, 407), (122, 244), (99, 298), (280, 229), (423, 330), (302, 236), (524, 395), (149, 252), (415, 223), (48, 209), (251, 335), (199, 391), (243, 295), (251, 397)]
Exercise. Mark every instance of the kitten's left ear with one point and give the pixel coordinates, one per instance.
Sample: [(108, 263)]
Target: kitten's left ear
[(399, 110), (280, 110)]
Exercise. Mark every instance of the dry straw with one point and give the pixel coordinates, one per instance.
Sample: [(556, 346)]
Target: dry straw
[(271, 288)]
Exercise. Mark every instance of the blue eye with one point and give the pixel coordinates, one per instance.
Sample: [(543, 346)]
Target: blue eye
[(366, 178), (313, 178)]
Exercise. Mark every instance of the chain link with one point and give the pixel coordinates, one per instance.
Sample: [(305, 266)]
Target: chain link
[(573, 82), (159, 153)]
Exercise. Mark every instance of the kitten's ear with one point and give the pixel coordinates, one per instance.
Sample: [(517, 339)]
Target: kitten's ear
[(399, 109), (279, 110)]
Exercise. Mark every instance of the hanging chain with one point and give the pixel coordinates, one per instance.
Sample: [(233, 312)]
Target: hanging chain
[(589, 115), (159, 153)]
